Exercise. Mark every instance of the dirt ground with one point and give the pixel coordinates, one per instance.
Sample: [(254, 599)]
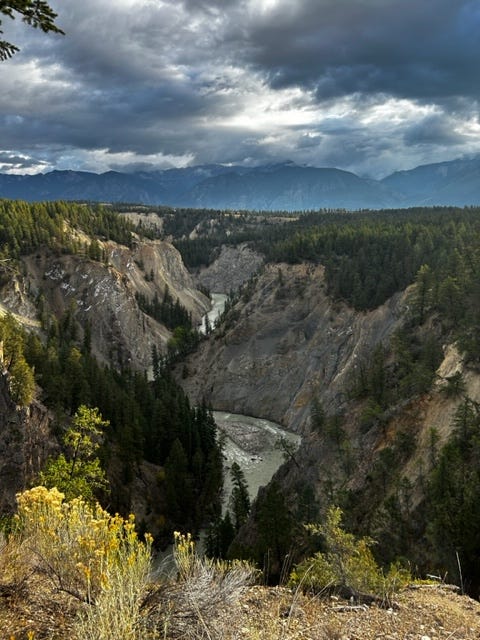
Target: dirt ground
[(423, 613)]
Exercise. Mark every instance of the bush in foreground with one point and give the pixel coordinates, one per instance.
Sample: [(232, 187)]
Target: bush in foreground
[(93, 556), (102, 570), (191, 606), (347, 565)]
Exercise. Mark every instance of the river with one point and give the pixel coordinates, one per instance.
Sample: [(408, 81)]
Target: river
[(218, 305), (253, 444)]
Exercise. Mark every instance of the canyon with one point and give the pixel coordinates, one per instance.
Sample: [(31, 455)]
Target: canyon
[(283, 346)]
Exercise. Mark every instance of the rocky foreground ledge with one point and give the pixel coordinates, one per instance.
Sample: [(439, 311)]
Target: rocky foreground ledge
[(422, 613)]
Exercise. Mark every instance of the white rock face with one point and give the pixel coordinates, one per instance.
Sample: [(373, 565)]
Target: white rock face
[(103, 295), (231, 269)]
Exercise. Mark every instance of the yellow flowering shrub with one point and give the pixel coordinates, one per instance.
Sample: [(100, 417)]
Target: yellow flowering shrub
[(83, 548), (346, 562), (184, 554)]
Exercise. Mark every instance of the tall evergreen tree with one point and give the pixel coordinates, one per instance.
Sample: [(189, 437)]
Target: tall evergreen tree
[(239, 498)]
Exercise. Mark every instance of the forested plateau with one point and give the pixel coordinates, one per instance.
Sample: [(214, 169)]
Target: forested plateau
[(360, 331)]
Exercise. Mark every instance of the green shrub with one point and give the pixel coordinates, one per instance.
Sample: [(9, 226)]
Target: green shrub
[(347, 563)]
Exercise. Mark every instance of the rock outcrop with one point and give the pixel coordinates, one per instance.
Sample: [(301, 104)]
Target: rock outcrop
[(26, 441), (102, 295), (289, 342), (232, 267)]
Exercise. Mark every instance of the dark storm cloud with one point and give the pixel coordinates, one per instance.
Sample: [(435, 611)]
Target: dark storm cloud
[(433, 130), (410, 48), (112, 82), (361, 84)]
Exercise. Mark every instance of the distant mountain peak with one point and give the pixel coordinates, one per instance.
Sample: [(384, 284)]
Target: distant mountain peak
[(275, 186)]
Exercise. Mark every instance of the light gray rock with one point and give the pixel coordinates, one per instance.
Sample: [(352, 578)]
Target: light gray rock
[(231, 269), (103, 295), (289, 343)]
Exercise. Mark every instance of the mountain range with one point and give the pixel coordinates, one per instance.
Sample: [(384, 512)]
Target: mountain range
[(275, 187)]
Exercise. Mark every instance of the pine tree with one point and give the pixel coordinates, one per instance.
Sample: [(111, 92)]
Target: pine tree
[(239, 498), (275, 526), (422, 296), (78, 472)]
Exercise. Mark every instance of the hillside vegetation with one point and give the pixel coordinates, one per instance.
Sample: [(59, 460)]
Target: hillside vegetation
[(356, 328), (150, 420), (87, 576)]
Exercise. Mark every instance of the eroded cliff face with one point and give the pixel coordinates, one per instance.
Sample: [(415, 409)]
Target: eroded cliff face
[(285, 344), (232, 267), (103, 296), (26, 442)]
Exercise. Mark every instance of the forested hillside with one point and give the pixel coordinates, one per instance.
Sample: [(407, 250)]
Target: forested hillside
[(363, 332), (24, 227), (150, 420)]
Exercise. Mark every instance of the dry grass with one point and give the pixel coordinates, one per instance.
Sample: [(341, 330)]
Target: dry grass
[(15, 567), (191, 606), (260, 613)]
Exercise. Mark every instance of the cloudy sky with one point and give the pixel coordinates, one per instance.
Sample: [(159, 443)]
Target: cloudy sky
[(369, 86)]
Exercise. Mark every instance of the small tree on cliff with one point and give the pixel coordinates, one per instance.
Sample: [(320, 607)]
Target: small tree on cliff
[(78, 472)]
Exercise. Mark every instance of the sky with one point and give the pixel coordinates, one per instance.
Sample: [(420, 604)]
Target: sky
[(369, 86)]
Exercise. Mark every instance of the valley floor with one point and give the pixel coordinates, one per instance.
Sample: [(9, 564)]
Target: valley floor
[(423, 613)]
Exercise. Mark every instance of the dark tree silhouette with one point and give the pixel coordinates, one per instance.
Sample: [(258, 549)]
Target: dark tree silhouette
[(36, 13)]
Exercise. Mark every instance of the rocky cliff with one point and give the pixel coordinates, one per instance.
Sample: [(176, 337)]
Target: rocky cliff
[(102, 295), (285, 343), (26, 441), (232, 267)]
